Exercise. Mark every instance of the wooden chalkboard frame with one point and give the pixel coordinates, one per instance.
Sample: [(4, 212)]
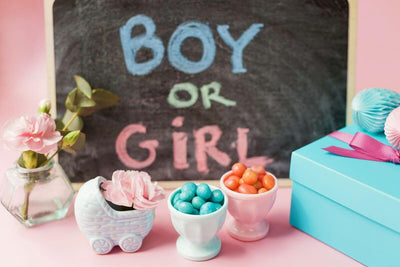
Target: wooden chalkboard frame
[(285, 182)]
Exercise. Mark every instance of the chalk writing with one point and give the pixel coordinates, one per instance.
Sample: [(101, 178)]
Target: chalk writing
[(192, 29), (131, 46), (242, 147), (239, 45), (179, 145), (203, 148), (120, 147), (189, 88), (195, 30), (211, 92), (208, 92)]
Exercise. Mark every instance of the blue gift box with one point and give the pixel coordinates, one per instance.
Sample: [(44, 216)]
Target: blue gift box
[(352, 205)]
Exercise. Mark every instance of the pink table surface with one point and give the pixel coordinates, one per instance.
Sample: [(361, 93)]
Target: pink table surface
[(60, 243)]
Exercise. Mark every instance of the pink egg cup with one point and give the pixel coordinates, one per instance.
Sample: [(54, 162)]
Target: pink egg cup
[(249, 211)]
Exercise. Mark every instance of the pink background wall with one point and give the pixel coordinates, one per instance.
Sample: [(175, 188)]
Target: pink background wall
[(378, 42), (23, 61)]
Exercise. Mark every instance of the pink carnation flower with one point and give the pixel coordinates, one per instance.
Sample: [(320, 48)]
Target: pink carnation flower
[(36, 133), (133, 188)]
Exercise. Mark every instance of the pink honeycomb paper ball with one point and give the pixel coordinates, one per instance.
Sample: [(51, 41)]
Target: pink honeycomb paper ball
[(392, 128)]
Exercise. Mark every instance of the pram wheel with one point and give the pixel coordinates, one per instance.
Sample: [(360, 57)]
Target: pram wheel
[(130, 242), (101, 245)]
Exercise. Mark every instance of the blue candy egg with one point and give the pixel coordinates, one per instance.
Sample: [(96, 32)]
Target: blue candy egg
[(371, 107), (189, 186), (176, 205), (203, 191), (185, 207), (217, 206), (195, 211), (176, 198), (186, 195), (197, 202), (217, 196), (208, 208)]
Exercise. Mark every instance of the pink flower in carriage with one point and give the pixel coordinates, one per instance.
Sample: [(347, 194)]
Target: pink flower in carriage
[(133, 188), (36, 133)]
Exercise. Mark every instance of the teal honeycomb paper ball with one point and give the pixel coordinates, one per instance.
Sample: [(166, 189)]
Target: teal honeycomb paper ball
[(371, 107)]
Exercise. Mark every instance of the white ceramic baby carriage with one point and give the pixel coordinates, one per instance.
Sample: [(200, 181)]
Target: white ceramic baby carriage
[(106, 227)]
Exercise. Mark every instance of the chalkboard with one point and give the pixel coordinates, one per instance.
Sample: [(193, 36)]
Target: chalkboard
[(202, 84)]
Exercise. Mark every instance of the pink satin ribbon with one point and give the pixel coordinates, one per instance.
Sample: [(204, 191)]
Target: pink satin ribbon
[(364, 147)]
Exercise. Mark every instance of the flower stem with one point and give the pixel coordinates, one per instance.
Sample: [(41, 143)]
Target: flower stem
[(71, 120), (51, 157), (26, 205), (28, 189)]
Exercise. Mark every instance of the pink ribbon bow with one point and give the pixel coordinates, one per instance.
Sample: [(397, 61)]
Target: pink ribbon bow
[(364, 147)]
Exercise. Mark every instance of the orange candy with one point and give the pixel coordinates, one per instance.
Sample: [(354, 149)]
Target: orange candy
[(238, 169), (259, 170), (258, 185), (268, 182), (247, 189), (250, 177), (232, 182), (262, 190), (249, 180)]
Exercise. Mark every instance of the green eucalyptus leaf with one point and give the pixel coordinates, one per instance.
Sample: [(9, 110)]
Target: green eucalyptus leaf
[(81, 100), (104, 98), (85, 102), (76, 99), (70, 102), (77, 123), (78, 144), (86, 111), (83, 86), (59, 124)]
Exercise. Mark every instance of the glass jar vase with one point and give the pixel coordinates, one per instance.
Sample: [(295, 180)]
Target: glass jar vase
[(35, 196)]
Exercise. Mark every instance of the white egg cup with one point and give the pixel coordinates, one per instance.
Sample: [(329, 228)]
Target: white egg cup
[(249, 211), (198, 240)]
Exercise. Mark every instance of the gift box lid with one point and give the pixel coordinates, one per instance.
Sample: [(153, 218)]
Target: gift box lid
[(369, 188)]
